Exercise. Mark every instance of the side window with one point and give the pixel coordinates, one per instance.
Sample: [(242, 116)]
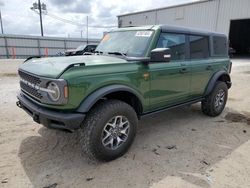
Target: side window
[(220, 46), (92, 48), (176, 42), (199, 47), (89, 48)]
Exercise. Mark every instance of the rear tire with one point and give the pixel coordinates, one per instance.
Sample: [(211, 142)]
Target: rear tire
[(108, 130), (214, 104)]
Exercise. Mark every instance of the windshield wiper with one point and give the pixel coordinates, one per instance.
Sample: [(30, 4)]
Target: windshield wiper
[(118, 53)]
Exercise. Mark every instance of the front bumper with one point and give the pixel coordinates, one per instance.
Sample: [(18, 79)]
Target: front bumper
[(50, 118)]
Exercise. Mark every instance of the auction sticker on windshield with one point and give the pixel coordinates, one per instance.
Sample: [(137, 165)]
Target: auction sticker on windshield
[(143, 33)]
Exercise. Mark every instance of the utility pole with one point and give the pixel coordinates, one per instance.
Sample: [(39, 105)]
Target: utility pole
[(87, 31), (81, 33), (1, 21), (40, 7), (40, 14)]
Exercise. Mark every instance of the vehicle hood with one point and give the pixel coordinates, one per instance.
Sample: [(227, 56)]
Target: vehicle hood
[(53, 67), (71, 50)]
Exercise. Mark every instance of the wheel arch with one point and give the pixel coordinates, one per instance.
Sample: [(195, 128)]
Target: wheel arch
[(218, 76), (120, 92)]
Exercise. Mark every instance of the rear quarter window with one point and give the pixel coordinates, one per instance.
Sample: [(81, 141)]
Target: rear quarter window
[(220, 46)]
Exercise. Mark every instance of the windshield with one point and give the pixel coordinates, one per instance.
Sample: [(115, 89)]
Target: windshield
[(80, 48), (129, 43)]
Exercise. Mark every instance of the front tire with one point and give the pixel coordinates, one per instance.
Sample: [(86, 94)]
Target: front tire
[(109, 130), (215, 102)]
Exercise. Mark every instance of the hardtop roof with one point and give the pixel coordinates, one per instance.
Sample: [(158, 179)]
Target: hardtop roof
[(174, 29), (189, 30)]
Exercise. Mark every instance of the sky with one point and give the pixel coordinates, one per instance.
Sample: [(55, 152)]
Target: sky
[(18, 18)]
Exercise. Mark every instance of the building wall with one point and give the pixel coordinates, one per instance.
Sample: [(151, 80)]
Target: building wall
[(232, 10), (214, 15), (16, 46)]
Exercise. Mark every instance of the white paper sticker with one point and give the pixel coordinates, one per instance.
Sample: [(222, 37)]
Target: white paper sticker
[(143, 33)]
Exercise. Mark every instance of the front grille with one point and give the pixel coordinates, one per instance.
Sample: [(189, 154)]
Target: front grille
[(30, 91), (27, 88), (29, 78)]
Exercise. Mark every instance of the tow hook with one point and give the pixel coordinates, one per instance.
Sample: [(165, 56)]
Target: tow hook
[(19, 104)]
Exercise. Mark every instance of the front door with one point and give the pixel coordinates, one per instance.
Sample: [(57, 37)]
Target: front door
[(170, 82)]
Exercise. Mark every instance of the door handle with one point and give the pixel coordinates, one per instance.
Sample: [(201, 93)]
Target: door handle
[(209, 67), (183, 71)]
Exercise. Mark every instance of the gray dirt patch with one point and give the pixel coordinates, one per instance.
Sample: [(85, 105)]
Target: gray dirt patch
[(237, 118), (246, 72), (8, 74)]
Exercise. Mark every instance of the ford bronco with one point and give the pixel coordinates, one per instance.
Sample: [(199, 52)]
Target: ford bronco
[(134, 72)]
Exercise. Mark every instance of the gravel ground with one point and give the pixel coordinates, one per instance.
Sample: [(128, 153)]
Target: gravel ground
[(177, 148)]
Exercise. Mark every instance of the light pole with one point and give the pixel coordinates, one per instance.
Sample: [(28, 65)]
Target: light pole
[(40, 14), (40, 7), (1, 20), (87, 31)]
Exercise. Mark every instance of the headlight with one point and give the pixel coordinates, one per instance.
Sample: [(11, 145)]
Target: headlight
[(53, 91)]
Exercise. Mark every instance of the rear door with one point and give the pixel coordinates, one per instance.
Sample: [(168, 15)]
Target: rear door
[(202, 67), (170, 82)]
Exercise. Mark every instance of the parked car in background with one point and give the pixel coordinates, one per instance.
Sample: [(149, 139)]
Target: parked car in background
[(80, 50), (231, 52), (60, 54)]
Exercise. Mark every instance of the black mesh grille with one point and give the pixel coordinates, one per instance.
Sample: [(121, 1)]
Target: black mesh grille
[(29, 78), (28, 89)]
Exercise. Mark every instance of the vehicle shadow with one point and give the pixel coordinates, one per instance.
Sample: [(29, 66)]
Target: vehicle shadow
[(178, 142)]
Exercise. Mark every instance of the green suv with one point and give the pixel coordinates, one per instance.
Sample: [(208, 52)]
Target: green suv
[(134, 72)]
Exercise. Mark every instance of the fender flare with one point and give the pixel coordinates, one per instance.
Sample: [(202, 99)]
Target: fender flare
[(214, 79), (91, 99)]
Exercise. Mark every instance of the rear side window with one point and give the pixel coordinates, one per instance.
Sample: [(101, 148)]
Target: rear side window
[(199, 47), (220, 46), (176, 42)]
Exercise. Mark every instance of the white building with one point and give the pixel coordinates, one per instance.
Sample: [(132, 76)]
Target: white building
[(231, 17)]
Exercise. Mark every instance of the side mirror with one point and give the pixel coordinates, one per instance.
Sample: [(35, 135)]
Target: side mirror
[(160, 55)]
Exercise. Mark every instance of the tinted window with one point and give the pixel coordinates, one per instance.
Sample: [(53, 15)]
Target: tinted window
[(199, 47), (90, 48), (176, 42), (220, 46)]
